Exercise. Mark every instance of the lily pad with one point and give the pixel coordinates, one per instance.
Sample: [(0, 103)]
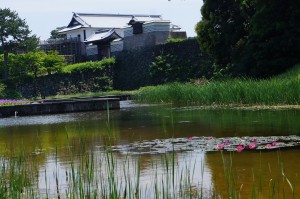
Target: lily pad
[(208, 144)]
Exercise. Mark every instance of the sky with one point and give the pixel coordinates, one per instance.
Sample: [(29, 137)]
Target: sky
[(42, 16)]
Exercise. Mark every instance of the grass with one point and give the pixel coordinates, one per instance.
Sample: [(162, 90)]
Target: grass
[(281, 90)]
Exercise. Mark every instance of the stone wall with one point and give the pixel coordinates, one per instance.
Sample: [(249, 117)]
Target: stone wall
[(65, 84), (145, 40), (133, 67)]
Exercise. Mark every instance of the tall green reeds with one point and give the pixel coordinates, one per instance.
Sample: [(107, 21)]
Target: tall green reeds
[(284, 89), (101, 174), (106, 174)]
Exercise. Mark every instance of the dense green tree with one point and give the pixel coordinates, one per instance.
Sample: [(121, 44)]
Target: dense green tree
[(29, 44), (54, 33), (53, 62), (222, 29), (13, 31), (257, 38), (2, 88), (33, 61), (274, 38)]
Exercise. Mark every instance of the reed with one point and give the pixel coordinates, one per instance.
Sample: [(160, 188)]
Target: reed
[(283, 89), (102, 175), (105, 174)]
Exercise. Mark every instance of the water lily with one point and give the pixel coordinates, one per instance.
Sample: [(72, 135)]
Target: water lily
[(252, 145), (268, 146), (227, 142), (190, 138), (220, 146), (240, 148), (274, 144)]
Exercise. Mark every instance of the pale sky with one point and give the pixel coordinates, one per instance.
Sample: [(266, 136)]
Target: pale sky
[(42, 16)]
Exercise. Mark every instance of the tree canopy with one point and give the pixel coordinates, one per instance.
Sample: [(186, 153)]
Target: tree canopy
[(54, 33), (257, 38), (14, 35)]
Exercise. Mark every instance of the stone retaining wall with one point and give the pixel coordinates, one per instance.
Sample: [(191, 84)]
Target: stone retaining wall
[(60, 106)]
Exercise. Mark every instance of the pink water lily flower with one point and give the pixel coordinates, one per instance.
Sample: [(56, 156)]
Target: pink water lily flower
[(274, 144), (268, 146), (190, 138), (252, 145), (220, 146), (240, 148), (227, 142)]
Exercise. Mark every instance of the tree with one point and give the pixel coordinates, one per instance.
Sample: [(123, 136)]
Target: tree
[(256, 38), (54, 33), (29, 44), (274, 38), (13, 31), (221, 30), (53, 62), (34, 64)]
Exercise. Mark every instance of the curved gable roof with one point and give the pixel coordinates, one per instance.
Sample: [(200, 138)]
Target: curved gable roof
[(103, 36), (108, 20)]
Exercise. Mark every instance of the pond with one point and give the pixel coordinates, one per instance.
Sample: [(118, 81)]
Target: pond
[(56, 144)]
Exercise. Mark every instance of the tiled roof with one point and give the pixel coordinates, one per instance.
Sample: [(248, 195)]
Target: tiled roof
[(110, 20), (70, 28), (102, 36)]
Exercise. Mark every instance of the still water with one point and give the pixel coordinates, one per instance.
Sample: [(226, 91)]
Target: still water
[(49, 139)]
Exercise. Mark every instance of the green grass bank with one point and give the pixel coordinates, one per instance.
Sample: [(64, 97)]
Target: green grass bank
[(280, 90)]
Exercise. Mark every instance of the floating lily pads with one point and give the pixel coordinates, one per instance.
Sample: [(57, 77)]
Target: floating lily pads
[(208, 144)]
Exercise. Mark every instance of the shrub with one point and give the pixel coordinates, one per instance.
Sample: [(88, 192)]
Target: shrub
[(88, 67)]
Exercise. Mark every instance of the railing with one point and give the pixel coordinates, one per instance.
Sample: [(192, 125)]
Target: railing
[(59, 41)]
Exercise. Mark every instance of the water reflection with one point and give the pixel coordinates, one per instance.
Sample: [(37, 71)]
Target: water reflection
[(49, 140), (256, 174)]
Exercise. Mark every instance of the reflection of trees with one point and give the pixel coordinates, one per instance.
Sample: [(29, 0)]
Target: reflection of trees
[(251, 167), (233, 122), (77, 139)]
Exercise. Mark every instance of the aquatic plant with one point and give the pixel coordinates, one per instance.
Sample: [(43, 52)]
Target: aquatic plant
[(283, 89), (105, 174), (208, 144)]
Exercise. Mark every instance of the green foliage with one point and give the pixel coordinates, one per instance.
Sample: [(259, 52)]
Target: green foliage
[(29, 44), (54, 33), (274, 43), (13, 31), (33, 61), (10, 64), (89, 66), (32, 64), (174, 40), (9, 93), (283, 89), (12, 94), (53, 62), (76, 78), (256, 38), (2, 89), (221, 30)]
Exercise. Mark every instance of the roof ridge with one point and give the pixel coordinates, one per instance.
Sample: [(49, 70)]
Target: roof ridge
[(109, 14)]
